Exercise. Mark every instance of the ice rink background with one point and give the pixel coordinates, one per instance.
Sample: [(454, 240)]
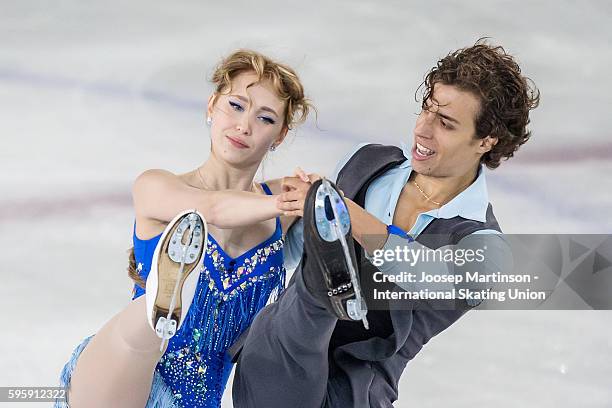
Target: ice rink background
[(93, 93)]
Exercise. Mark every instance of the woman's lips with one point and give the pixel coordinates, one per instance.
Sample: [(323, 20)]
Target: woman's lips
[(237, 143)]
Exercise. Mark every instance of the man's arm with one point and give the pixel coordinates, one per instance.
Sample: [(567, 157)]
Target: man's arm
[(368, 230)]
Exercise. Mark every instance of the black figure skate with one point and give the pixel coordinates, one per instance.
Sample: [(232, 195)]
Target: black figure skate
[(329, 266)]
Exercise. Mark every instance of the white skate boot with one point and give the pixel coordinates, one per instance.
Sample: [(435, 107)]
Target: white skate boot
[(175, 271)]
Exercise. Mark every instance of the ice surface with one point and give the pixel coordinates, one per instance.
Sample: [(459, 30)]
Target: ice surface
[(93, 93)]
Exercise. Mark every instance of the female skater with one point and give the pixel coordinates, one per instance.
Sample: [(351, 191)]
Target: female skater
[(255, 102)]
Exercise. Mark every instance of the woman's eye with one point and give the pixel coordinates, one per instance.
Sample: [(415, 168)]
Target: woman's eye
[(236, 106), (267, 120)]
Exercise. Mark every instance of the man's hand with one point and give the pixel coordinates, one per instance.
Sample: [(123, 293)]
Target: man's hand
[(295, 188)]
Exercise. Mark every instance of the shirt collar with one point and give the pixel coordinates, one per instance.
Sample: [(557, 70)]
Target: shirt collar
[(472, 203), (407, 151)]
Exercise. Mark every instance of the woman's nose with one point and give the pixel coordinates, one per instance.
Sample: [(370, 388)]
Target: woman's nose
[(244, 125)]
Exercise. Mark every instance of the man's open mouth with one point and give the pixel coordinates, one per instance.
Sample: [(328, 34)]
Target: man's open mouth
[(424, 151)]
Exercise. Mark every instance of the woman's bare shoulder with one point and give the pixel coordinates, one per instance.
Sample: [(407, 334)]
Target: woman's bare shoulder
[(160, 194), (154, 183), (155, 175), (154, 179)]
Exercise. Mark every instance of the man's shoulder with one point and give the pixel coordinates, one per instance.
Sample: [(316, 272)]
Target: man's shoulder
[(374, 149), (354, 151), (346, 158), (369, 153)]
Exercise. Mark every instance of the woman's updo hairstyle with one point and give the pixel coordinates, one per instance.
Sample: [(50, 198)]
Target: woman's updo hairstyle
[(284, 80)]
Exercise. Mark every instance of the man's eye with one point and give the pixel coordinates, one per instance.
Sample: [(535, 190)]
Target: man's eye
[(235, 106), (445, 124)]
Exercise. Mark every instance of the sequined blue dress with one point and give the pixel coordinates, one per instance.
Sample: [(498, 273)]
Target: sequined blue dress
[(194, 370)]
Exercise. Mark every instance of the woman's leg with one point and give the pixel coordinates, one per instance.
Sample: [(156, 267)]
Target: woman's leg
[(116, 368)]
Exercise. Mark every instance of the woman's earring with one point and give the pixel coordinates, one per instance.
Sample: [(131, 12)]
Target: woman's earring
[(209, 121), (272, 148)]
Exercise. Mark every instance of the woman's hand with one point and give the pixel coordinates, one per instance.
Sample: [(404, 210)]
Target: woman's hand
[(291, 200)]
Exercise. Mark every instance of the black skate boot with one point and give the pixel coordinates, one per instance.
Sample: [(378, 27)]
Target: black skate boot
[(329, 267)]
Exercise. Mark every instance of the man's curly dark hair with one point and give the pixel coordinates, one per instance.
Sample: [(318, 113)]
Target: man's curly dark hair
[(505, 96)]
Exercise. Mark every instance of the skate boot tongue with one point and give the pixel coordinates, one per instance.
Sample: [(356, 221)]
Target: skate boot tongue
[(331, 214), (329, 211)]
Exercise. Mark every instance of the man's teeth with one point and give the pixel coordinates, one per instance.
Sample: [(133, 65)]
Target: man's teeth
[(423, 151)]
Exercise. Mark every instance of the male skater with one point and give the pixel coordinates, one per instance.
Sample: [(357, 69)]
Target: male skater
[(311, 348)]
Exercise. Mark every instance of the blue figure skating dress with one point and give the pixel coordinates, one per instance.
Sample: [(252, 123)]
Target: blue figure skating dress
[(194, 370)]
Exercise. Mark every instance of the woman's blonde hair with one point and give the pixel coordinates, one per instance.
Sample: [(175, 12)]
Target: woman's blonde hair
[(284, 80)]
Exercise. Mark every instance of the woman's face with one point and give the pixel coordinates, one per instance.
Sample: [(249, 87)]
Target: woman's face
[(246, 121)]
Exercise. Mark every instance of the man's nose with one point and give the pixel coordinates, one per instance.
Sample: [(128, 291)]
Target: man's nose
[(424, 124)]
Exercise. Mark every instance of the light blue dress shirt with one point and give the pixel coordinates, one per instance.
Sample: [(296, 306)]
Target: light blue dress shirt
[(382, 197)]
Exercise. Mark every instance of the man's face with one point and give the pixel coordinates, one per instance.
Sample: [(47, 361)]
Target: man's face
[(444, 135)]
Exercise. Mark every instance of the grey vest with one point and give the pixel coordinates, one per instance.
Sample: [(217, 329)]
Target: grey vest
[(411, 329)]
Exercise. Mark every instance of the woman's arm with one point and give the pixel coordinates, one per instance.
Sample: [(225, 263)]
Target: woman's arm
[(293, 231), (276, 186), (160, 195)]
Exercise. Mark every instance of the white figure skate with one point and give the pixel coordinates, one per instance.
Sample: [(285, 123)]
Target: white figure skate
[(175, 271)]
